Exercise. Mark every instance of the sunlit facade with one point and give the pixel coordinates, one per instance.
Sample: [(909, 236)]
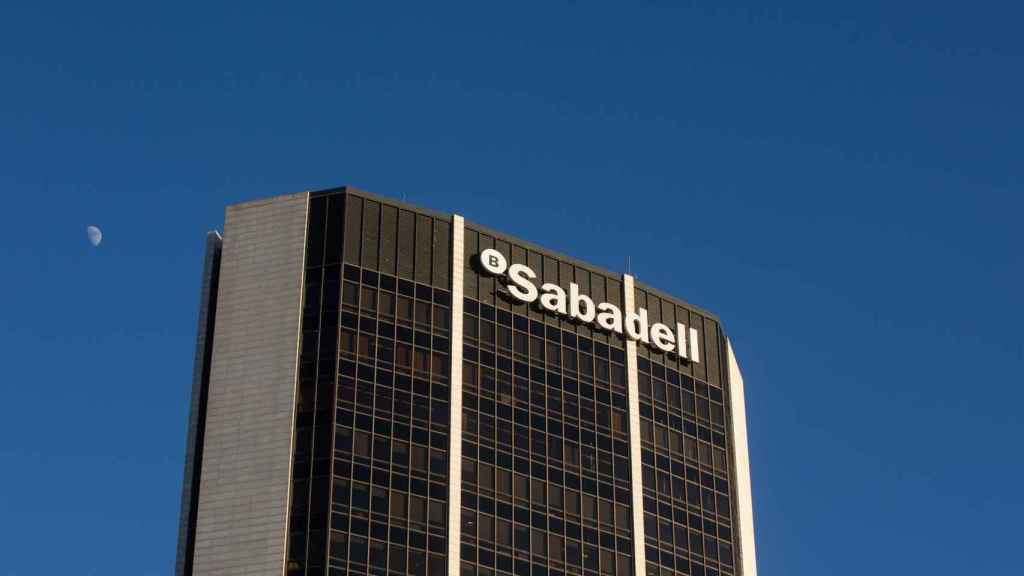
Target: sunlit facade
[(370, 397)]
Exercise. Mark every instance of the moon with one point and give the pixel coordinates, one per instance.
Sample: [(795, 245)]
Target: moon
[(95, 235)]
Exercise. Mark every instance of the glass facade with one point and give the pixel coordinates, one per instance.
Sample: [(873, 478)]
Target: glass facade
[(311, 458), (373, 417), (545, 470), (688, 511), (546, 477)]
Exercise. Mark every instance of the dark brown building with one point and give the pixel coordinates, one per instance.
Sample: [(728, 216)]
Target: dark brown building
[(389, 390)]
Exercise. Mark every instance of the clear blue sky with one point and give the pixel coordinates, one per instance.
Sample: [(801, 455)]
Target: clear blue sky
[(843, 186)]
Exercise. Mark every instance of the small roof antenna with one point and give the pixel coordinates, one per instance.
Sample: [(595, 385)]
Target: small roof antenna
[(629, 267)]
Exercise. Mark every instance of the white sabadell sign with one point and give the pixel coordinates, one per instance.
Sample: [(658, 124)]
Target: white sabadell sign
[(681, 341)]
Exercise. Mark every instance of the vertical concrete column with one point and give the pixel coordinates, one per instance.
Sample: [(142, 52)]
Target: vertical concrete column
[(455, 401), (738, 433), (635, 469), (242, 520)]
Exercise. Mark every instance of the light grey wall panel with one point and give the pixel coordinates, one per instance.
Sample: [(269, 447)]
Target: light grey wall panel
[(244, 488)]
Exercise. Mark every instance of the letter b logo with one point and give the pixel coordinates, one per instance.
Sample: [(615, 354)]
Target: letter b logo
[(493, 261)]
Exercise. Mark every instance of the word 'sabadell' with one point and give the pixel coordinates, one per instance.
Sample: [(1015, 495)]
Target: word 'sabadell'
[(581, 307)]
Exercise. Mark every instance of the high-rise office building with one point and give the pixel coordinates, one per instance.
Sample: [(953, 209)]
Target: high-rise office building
[(383, 389)]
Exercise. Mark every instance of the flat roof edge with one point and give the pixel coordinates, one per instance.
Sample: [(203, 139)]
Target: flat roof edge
[(346, 189)]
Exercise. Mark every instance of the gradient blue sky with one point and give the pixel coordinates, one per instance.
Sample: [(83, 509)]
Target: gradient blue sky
[(843, 186)]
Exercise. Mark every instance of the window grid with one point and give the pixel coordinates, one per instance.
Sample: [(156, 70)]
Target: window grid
[(687, 507), (310, 494), (546, 486), (389, 509)]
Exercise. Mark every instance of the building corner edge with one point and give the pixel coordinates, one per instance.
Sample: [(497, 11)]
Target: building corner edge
[(197, 405), (744, 498)]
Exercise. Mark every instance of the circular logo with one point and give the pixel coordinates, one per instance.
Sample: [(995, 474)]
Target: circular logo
[(493, 261)]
